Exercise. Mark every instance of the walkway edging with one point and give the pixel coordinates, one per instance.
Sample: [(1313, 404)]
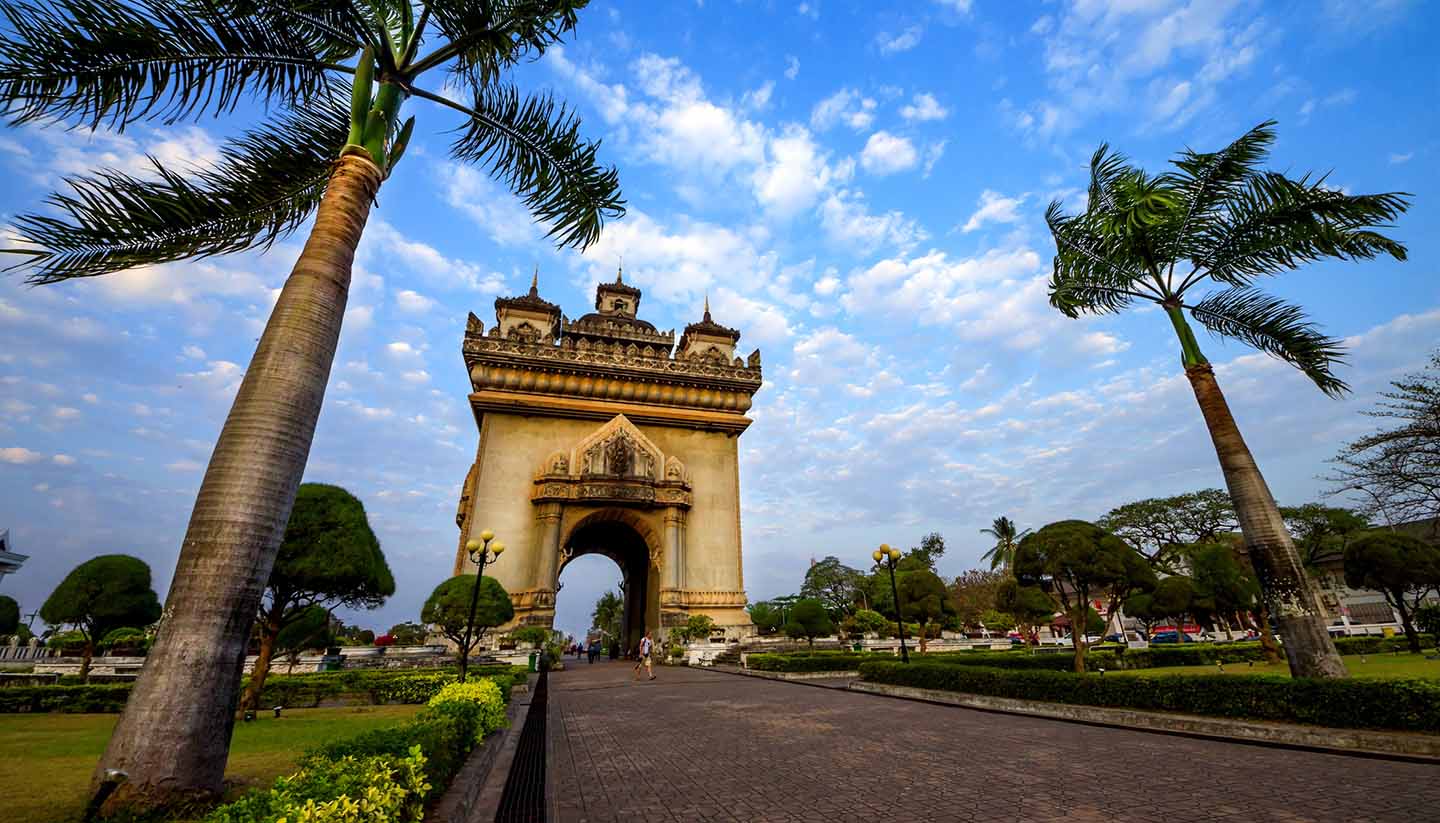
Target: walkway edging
[(1408, 746), (462, 800), (782, 675)]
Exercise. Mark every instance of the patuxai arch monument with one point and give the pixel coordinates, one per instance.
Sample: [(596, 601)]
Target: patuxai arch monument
[(603, 435)]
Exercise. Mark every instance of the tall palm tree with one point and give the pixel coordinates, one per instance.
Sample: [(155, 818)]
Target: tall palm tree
[(1220, 220), (314, 149), (1006, 539)]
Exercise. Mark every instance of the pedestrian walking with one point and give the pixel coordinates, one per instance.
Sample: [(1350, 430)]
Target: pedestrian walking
[(646, 647), (594, 649)]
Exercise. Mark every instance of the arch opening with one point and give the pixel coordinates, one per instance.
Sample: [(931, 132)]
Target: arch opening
[(618, 540)]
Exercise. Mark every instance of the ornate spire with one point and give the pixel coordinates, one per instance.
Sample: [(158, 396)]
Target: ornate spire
[(707, 308), (535, 282), (620, 273)]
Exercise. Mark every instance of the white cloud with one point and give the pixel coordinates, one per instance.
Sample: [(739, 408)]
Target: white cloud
[(193, 352), (846, 106), (887, 153), (185, 466), (961, 6), (65, 413), (1396, 158), (904, 41), (923, 107), (933, 153), (793, 174), (90, 397), (994, 208), (792, 67), (758, 99), (416, 376), (400, 348), (63, 460), (19, 455), (413, 301), (848, 222)]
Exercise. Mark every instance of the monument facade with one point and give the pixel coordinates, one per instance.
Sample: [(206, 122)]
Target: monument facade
[(603, 435)]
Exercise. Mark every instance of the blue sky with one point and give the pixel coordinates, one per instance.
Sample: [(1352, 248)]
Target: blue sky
[(859, 190)]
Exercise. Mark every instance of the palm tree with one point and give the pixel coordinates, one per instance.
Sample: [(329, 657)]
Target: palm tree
[(314, 150), (1006, 539), (1228, 223)]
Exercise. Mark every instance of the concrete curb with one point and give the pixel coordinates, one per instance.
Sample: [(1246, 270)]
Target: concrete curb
[(1405, 746), (787, 675)]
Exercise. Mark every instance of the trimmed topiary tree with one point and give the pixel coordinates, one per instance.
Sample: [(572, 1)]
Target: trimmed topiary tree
[(699, 627), (809, 620), (329, 557), (925, 600), (448, 610), (104, 593)]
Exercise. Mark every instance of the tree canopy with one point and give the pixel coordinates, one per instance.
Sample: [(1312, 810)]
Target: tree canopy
[(9, 614), (1159, 527), (974, 592), (1007, 536), (767, 617), (923, 556), (329, 555), (1322, 532), (448, 610), (809, 619), (924, 599), (1402, 568), (108, 592), (1075, 561), (1395, 470), (832, 583), (608, 614)]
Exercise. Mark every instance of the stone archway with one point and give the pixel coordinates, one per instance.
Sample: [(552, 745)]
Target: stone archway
[(629, 541)]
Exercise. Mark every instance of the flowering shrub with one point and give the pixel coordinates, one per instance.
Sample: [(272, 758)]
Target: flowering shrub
[(484, 693), (346, 790), (385, 640)]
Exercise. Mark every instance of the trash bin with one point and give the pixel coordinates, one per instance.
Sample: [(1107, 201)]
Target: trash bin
[(534, 661)]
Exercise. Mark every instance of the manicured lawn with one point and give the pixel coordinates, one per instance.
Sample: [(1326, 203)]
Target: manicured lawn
[(1374, 665), (51, 755)]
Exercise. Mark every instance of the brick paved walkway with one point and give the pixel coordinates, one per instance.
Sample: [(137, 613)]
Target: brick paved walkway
[(706, 746)]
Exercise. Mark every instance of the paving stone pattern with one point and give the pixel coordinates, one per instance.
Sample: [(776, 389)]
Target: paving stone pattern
[(707, 746)]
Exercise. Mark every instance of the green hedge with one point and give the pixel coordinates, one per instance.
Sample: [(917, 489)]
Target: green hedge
[(383, 774), (1376, 644), (64, 699), (816, 662), (298, 691), (1408, 705)]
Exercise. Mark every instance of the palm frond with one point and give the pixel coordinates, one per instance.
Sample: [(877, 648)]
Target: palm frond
[(265, 184), (1277, 328), (534, 145), (1094, 272), (1106, 169), (1207, 180), (93, 62), (1273, 224), (486, 38)]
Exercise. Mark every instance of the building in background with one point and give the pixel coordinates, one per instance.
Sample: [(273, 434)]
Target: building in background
[(10, 562)]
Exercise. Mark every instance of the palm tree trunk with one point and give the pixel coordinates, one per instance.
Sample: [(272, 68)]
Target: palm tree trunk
[(1289, 592), (173, 738), (269, 630)]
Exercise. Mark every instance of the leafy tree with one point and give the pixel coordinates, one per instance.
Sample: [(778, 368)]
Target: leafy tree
[(9, 614), (330, 558), (1224, 221), (832, 583), (766, 617), (608, 614), (1007, 537), (973, 593), (103, 593), (310, 630), (997, 621), (1224, 587), (925, 600), (1028, 605), (1160, 527), (1427, 619), (1404, 569), (1074, 561), (865, 621), (1395, 471), (536, 636), (923, 556), (1174, 598), (1321, 532), (809, 619), (112, 63), (408, 634), (448, 610), (699, 627)]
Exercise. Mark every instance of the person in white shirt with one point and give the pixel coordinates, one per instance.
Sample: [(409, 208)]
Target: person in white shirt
[(646, 647)]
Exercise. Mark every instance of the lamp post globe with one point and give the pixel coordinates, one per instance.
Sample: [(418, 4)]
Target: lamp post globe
[(487, 535), (878, 555), (889, 556), (497, 549)]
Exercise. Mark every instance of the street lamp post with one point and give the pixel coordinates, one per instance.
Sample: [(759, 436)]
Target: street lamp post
[(886, 554), (481, 554)]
